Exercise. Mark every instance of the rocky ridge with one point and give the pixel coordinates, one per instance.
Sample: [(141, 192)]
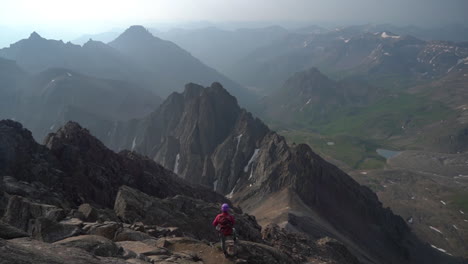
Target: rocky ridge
[(75, 201)]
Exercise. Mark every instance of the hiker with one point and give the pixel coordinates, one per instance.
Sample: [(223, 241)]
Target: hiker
[(224, 223)]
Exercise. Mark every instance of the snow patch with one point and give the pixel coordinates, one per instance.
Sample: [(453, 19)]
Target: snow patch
[(252, 159), (364, 173), (134, 143), (387, 54), (385, 35), (442, 202), (331, 143), (461, 212), (440, 249), (410, 220), (69, 74), (460, 61), (215, 185), (251, 174), (435, 229), (346, 40), (52, 127), (308, 102), (238, 141), (229, 196), (176, 163), (454, 226)]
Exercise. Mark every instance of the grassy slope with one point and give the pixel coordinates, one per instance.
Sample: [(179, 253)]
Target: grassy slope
[(358, 131)]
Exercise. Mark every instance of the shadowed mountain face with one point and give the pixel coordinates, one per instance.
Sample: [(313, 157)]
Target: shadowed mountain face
[(46, 101), (136, 56), (205, 137), (11, 78), (170, 66)]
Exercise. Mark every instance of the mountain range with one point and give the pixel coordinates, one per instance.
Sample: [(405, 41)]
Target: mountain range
[(135, 56)]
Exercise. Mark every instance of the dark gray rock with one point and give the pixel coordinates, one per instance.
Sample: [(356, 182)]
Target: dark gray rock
[(90, 214), (131, 235), (20, 211), (29, 251), (47, 230), (106, 229), (8, 232), (97, 245)]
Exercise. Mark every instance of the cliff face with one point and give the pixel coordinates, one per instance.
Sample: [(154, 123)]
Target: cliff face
[(202, 135)]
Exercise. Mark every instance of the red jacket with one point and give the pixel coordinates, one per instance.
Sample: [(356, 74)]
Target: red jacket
[(227, 231)]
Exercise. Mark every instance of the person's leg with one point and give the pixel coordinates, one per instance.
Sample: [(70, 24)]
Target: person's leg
[(234, 235), (223, 243)]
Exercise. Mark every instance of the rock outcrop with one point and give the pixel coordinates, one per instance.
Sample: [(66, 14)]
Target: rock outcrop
[(69, 220), (76, 168)]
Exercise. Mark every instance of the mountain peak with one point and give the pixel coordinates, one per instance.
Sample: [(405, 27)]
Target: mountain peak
[(137, 31), (35, 36)]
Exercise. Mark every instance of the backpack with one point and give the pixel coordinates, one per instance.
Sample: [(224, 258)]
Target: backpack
[(225, 224)]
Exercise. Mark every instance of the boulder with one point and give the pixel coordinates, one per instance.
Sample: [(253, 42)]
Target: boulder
[(20, 211), (90, 214), (35, 191), (50, 231), (143, 248), (131, 235), (30, 251), (8, 232), (97, 245), (106, 229), (73, 221), (136, 261)]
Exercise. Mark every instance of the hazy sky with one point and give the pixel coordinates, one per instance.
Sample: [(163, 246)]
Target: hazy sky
[(103, 13)]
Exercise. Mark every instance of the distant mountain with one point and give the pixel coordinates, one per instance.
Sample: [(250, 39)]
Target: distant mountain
[(222, 48), (312, 97), (456, 33), (206, 138), (51, 98), (169, 66), (379, 56), (135, 56), (102, 37), (37, 54)]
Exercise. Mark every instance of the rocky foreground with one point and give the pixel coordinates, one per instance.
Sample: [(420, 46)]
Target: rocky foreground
[(75, 201)]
